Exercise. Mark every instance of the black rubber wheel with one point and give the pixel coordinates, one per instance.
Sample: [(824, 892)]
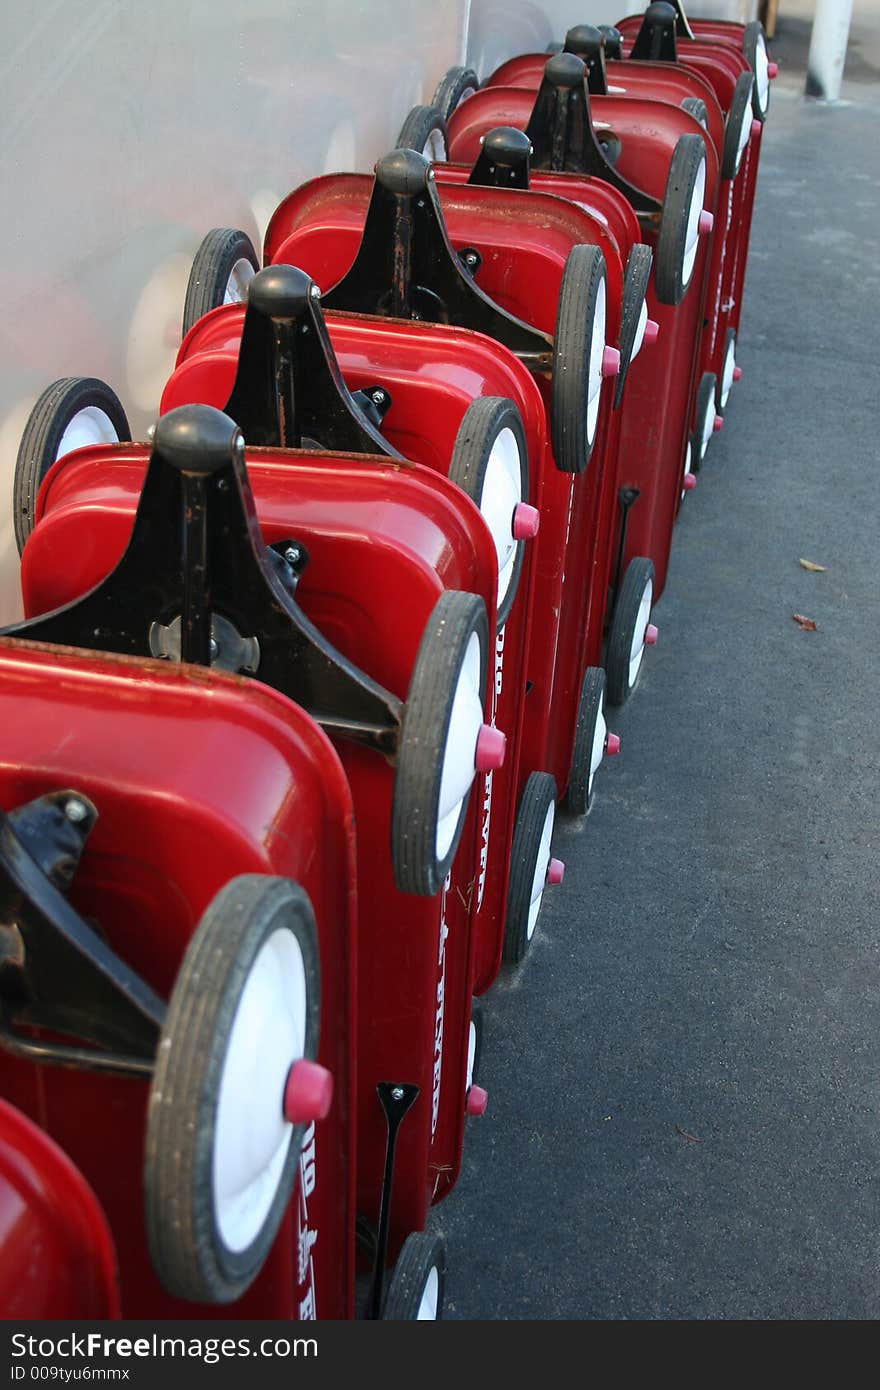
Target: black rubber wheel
[(753, 42), (483, 427), (704, 420), (454, 646), (738, 123), (677, 229), (255, 925), (418, 1281), (696, 107), (591, 718), (424, 130), (577, 359), (475, 1041), (43, 440), (635, 285), (528, 848), (622, 668), (728, 363), (223, 266), (455, 87)]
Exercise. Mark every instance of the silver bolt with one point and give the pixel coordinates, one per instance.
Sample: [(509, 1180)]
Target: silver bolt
[(76, 810), (397, 1093), (293, 555), (378, 397), (315, 292)]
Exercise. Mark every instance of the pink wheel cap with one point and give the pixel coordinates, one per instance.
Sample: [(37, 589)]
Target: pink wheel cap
[(555, 871), (717, 424), (612, 744), (308, 1093), (706, 222), (610, 361), (651, 633), (737, 373), (689, 482), (491, 746), (772, 70), (526, 520), (476, 1101), (652, 331)]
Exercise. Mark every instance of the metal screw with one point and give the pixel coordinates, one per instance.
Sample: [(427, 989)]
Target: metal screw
[(397, 1093), (315, 292), (293, 555), (471, 259), (76, 810), (378, 397)]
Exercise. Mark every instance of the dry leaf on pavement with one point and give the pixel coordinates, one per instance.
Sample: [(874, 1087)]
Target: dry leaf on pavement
[(805, 624)]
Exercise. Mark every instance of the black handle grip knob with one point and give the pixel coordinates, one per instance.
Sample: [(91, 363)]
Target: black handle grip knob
[(565, 70), (661, 14), (197, 439), (613, 41), (505, 145), (280, 292), (584, 40), (403, 172)]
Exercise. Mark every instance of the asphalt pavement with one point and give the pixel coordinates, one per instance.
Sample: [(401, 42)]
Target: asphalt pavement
[(684, 1116)]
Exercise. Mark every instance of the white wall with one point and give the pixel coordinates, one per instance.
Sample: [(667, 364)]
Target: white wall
[(133, 128)]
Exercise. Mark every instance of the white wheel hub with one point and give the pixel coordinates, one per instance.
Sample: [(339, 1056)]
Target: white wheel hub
[(727, 372), (472, 1054), (637, 649), (600, 733), (597, 350), (502, 493), (692, 235), (88, 426), (251, 1135), (542, 864), (239, 278), (640, 331), (435, 147), (430, 1297), (707, 427), (762, 75), (459, 767), (745, 130)]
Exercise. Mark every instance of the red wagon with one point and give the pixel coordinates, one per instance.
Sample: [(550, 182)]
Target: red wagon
[(348, 542)]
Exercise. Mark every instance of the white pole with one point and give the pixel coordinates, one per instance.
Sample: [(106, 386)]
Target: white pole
[(828, 49)]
